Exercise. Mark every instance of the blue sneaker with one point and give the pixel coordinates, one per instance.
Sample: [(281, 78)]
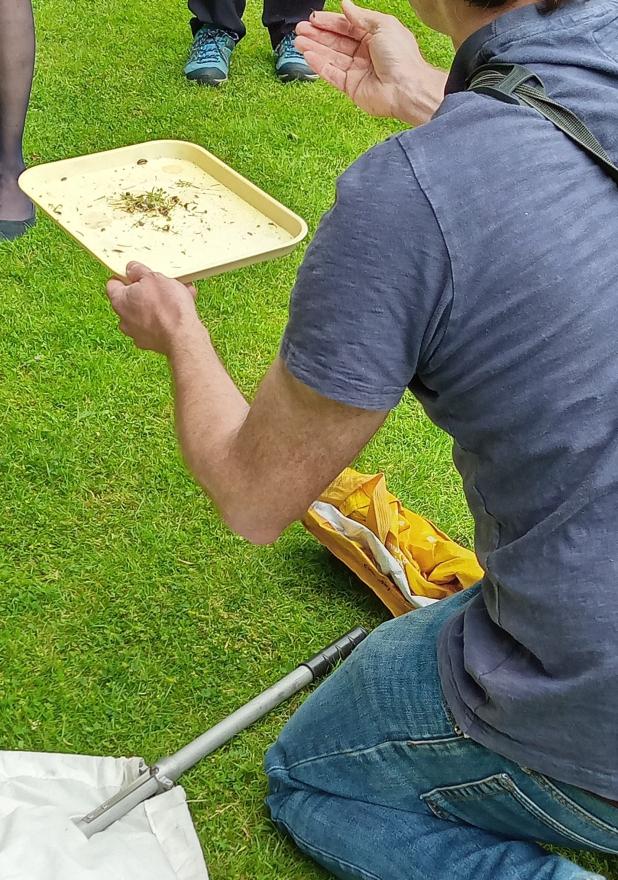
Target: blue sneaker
[(209, 59), (290, 64)]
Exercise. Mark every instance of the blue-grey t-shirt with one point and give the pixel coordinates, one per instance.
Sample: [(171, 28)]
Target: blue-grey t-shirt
[(475, 261)]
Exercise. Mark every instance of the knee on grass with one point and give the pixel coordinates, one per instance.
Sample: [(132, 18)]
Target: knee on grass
[(282, 788)]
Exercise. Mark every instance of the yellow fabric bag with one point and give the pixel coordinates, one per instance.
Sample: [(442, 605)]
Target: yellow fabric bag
[(411, 563)]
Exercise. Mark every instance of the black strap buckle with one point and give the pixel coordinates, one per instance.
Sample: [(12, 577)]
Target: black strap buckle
[(513, 76)]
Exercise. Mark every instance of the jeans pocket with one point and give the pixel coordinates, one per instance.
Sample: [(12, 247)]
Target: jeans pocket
[(498, 804)]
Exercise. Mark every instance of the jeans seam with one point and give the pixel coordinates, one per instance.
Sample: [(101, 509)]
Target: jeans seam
[(361, 751), (504, 782), (576, 809), (529, 805), (437, 811), (460, 789), (344, 864), (436, 740), (449, 714)]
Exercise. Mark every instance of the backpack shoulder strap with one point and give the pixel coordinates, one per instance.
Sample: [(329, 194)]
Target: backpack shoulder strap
[(514, 84)]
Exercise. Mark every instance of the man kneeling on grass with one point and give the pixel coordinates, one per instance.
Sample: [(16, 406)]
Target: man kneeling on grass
[(474, 261)]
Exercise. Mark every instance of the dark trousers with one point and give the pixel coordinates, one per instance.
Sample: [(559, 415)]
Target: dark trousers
[(279, 16)]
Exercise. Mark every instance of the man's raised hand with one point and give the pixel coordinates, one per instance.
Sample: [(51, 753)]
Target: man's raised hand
[(375, 60)]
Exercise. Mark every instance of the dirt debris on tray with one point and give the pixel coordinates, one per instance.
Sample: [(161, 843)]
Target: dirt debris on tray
[(154, 203)]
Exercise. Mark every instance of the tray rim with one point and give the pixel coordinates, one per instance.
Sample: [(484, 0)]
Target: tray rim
[(229, 266)]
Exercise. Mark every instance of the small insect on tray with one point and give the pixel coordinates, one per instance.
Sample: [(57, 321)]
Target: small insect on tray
[(169, 204)]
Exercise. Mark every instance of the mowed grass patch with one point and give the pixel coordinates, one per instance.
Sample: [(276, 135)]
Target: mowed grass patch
[(131, 618)]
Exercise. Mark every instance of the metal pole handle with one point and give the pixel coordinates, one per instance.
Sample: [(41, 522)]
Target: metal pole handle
[(322, 662), (166, 771), (172, 767)]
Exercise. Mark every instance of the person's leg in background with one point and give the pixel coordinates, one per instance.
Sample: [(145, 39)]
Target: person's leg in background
[(217, 26), (280, 18), (373, 780), (16, 69)]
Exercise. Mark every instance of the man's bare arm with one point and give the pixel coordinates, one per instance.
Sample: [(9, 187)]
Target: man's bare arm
[(262, 464)]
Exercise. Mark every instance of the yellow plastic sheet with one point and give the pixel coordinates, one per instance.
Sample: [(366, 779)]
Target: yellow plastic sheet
[(434, 565)]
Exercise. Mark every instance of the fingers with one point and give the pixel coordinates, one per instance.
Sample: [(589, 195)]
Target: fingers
[(137, 271), (116, 292), (326, 70), (359, 17), (331, 21), (192, 290), (331, 40), (332, 57)]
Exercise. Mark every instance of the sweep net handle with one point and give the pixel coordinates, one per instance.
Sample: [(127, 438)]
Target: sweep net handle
[(167, 770), (175, 765)]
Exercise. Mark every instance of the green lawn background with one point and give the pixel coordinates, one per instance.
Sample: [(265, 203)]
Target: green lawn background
[(131, 619)]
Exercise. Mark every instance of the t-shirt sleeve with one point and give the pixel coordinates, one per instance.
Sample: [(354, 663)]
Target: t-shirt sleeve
[(374, 289)]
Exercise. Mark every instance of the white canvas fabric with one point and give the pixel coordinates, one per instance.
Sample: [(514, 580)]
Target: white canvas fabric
[(40, 795), (387, 563)]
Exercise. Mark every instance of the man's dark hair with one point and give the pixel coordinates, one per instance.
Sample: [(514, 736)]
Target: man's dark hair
[(546, 6)]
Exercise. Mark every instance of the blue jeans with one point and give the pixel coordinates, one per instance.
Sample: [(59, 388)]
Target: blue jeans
[(372, 778)]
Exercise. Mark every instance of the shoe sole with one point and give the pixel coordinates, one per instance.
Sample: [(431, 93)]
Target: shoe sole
[(297, 77), (205, 81)]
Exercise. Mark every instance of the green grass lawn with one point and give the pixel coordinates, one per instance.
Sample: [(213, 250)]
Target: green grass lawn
[(131, 619)]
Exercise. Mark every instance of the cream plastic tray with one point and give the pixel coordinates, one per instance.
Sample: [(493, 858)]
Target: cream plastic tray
[(220, 221)]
